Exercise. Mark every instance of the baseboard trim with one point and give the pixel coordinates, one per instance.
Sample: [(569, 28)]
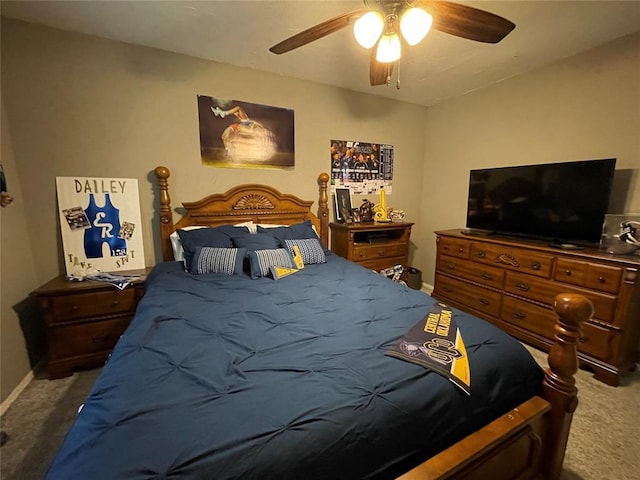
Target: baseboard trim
[(15, 393), (427, 288)]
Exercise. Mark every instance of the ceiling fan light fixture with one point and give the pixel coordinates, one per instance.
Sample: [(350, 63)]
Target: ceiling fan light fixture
[(388, 48), (415, 23), (368, 28)]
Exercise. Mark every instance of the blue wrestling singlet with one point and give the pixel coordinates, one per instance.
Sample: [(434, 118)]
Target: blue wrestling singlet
[(105, 225)]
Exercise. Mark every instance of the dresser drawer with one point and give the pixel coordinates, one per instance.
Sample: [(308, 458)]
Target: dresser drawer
[(372, 252), (533, 263), (605, 278), (528, 316), (476, 297), (455, 248), (490, 276), (544, 291), (600, 342), (87, 338), (65, 308)]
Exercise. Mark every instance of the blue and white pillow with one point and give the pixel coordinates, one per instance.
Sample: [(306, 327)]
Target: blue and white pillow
[(217, 260), (310, 250), (261, 260)]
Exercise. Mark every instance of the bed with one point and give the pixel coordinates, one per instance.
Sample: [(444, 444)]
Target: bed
[(235, 375)]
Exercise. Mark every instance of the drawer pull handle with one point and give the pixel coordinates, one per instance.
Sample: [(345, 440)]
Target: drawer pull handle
[(382, 253), (461, 249), (74, 308), (484, 301), (567, 273), (448, 289), (114, 303), (451, 266), (486, 276), (584, 339), (536, 266), (519, 315), (523, 287), (601, 279), (481, 255), (99, 338)]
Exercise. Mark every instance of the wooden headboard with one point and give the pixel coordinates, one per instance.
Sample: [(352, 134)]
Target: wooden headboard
[(244, 203)]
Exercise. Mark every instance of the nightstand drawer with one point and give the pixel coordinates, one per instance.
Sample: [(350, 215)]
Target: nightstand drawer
[(373, 252), (65, 308), (87, 338)]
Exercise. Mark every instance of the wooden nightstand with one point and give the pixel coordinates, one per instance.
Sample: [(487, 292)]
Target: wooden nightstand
[(373, 245), (84, 320)]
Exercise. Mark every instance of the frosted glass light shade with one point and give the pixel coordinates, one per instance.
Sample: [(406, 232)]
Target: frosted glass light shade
[(368, 29), (415, 23), (388, 48)]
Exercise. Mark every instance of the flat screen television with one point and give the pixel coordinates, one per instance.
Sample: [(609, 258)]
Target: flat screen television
[(562, 203)]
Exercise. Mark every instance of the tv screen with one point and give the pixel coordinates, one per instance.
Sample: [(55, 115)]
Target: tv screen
[(559, 202)]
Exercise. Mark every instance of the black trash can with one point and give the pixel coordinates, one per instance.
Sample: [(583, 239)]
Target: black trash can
[(414, 278)]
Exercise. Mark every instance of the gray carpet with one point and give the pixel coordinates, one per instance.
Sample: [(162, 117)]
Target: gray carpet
[(604, 441)]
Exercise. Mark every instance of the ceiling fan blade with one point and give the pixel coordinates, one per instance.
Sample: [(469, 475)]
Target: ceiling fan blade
[(379, 73), (467, 22), (317, 31)]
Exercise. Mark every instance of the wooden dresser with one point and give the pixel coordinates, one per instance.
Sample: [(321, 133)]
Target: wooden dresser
[(373, 245), (513, 283), (84, 320)]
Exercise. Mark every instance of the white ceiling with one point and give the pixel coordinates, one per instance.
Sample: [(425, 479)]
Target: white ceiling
[(240, 33)]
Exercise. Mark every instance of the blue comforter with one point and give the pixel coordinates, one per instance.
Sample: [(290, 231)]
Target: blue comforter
[(225, 377)]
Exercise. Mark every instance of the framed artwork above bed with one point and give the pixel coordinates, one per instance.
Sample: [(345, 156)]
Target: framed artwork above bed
[(237, 134)]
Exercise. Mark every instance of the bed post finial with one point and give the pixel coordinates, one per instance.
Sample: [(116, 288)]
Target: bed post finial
[(323, 208), (166, 217), (559, 382)]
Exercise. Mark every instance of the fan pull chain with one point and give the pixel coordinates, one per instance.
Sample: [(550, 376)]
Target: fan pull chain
[(398, 78)]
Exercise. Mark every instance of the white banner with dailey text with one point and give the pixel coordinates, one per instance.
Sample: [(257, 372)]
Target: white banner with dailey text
[(100, 224)]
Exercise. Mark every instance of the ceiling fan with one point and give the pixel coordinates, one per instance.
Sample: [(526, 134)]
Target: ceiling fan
[(384, 26)]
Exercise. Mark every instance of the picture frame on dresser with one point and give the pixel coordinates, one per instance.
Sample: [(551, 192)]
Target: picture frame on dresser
[(342, 203)]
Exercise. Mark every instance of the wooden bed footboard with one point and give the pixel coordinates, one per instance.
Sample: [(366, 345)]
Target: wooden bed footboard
[(530, 440), (527, 442)]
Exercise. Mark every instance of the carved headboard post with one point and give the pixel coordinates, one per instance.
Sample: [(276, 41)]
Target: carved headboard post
[(166, 216), (323, 208)]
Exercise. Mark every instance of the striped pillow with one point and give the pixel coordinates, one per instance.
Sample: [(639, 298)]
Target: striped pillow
[(310, 250), (217, 260), (261, 260)]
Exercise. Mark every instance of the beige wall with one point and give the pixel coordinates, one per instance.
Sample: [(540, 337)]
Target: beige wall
[(585, 107), (17, 279), (78, 105)]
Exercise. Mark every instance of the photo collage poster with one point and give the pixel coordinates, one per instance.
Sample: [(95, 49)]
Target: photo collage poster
[(364, 168), (100, 224)]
